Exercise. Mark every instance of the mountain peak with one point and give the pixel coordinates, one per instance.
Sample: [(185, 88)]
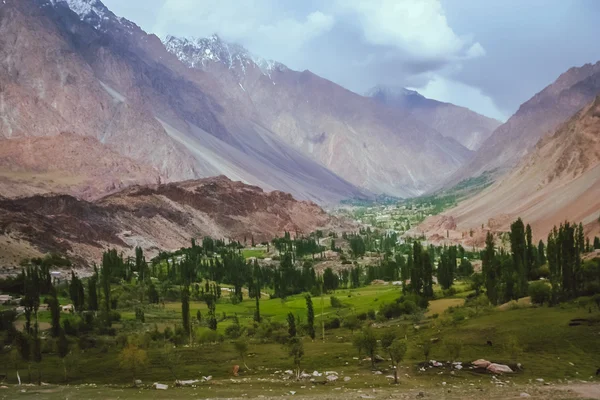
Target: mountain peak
[(201, 52), (391, 92), (93, 12)]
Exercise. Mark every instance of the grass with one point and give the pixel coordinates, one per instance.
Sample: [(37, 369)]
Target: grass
[(538, 337), (249, 253)]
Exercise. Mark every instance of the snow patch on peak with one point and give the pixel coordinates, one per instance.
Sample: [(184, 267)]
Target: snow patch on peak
[(200, 52), (95, 13), (391, 92)]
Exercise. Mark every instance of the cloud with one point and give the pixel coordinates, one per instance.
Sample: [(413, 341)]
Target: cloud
[(416, 27), (261, 25), (452, 91)]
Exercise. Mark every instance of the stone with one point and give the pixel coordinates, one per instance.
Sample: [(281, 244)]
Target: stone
[(499, 368), (481, 363), (378, 358), (206, 378), (138, 382), (332, 378), (524, 395), (292, 392), (187, 383), (317, 373), (160, 386), (540, 379), (347, 379)]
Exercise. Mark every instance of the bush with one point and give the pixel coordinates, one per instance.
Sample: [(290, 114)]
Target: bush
[(540, 292), (362, 316), (371, 314), (87, 342), (233, 331), (335, 302), (543, 272), (210, 336), (334, 323)]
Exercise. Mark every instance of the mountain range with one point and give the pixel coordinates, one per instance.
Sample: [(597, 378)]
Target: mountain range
[(96, 114), (192, 108)]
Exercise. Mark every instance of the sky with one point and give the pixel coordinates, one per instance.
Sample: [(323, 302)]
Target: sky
[(487, 55)]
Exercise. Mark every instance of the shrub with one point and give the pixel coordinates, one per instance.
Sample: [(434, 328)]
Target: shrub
[(335, 302), (233, 331), (543, 272), (362, 316), (210, 336), (371, 314), (332, 323), (540, 292)]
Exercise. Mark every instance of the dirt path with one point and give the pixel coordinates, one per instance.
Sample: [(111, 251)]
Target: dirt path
[(583, 390)]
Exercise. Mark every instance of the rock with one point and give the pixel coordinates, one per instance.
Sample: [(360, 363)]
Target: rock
[(332, 378), (420, 394), (377, 373), (378, 358), (330, 373), (304, 375), (524, 395), (499, 369), (390, 376), (436, 363), (236, 369), (187, 383), (289, 372), (443, 383), (540, 379), (292, 392), (160, 386), (138, 382), (347, 379), (206, 378), (317, 373), (481, 363)]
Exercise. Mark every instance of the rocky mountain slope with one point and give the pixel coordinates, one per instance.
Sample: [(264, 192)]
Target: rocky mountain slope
[(465, 126), (374, 146), (539, 116), (558, 181), (73, 66), (67, 163), (154, 217)]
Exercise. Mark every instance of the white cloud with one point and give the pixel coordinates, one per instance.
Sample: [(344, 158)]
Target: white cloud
[(417, 27), (451, 91), (261, 25)]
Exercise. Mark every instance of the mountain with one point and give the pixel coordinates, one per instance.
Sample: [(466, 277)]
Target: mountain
[(465, 126), (73, 66), (67, 163), (539, 116), (367, 143), (559, 180), (153, 217)]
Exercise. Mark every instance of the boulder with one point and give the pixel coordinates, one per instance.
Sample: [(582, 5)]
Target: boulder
[(378, 358), (138, 382), (187, 383), (317, 373), (160, 386), (481, 363), (347, 379), (499, 369), (332, 378)]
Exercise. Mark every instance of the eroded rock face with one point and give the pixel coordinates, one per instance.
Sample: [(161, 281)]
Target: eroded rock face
[(157, 217)]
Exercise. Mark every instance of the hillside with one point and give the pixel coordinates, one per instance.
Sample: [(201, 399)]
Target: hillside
[(465, 126), (89, 72), (558, 181), (154, 217), (67, 163), (367, 143), (539, 116)]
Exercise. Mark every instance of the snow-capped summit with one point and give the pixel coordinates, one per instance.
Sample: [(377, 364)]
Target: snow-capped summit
[(200, 52), (93, 12)]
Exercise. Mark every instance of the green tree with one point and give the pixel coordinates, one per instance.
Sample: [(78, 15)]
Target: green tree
[(518, 247), (291, 320), (54, 307), (310, 317), (241, 348), (133, 358), (93, 292), (541, 254), (296, 350), (185, 310), (396, 350), (63, 350), (490, 269), (366, 341)]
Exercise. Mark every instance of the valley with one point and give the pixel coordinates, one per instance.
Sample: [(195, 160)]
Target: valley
[(395, 206)]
